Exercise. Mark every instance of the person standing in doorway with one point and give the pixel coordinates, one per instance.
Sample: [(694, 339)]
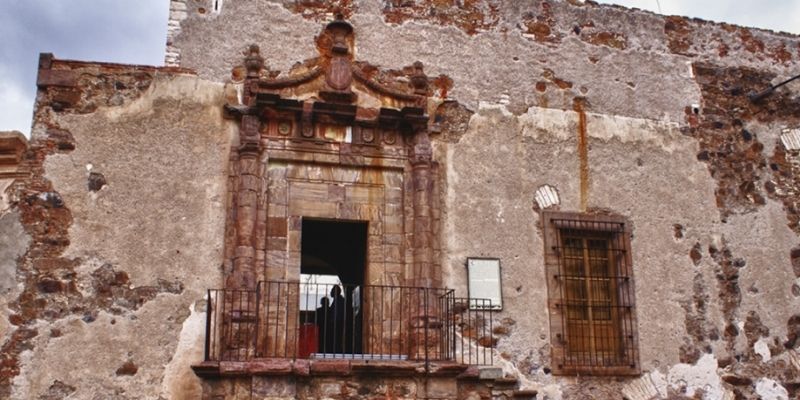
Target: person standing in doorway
[(337, 320)]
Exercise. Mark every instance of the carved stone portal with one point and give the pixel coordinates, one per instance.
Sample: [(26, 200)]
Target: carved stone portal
[(332, 139)]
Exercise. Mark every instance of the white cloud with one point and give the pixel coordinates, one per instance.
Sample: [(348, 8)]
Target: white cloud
[(16, 106), (777, 15), (93, 30)]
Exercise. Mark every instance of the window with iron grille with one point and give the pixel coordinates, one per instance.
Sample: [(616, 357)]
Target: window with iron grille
[(591, 294)]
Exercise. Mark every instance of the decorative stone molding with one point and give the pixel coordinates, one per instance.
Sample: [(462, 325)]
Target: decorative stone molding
[(336, 140), (12, 149)]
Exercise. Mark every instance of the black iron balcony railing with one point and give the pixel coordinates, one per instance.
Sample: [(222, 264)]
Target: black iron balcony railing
[(319, 321)]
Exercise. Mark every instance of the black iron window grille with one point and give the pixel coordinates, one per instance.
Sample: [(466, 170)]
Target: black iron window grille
[(591, 294)]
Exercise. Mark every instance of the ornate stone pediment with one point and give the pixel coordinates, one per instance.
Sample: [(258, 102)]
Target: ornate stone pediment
[(349, 87)]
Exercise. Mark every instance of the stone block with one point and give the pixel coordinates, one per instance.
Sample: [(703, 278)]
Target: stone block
[(393, 179), (394, 195), (391, 238), (261, 232), (293, 260), (329, 389), (325, 158), (276, 259), (393, 224), (249, 182), (277, 227), (393, 210), (393, 254), (347, 211), (336, 192), (297, 172), (277, 195), (308, 191), (52, 77), (313, 209), (249, 166), (375, 228), (275, 273), (293, 271), (270, 367), (393, 268), (294, 243), (273, 388), (277, 243), (245, 252), (320, 173), (275, 210), (370, 212), (301, 367), (349, 175), (375, 254), (442, 388), (330, 367), (246, 198), (364, 194), (276, 171), (371, 176), (490, 373)]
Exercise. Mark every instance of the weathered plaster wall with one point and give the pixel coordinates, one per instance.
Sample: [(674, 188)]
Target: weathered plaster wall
[(538, 53), (123, 214), (13, 244), (674, 144), (126, 212), (647, 171)]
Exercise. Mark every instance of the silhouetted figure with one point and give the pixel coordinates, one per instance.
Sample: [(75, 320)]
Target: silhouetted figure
[(322, 320), (336, 323)]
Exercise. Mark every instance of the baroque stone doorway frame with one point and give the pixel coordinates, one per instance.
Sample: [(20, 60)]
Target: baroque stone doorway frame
[(334, 139)]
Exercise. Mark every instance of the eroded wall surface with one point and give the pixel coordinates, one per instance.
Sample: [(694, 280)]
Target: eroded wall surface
[(672, 142), (115, 234), (125, 209)]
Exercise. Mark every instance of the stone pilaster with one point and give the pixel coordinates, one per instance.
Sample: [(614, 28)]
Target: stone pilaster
[(422, 184), (244, 275), (424, 329)]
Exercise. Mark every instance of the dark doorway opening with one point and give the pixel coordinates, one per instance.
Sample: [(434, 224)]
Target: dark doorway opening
[(332, 267)]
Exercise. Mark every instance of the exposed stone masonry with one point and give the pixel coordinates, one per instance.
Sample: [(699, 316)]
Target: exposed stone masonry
[(207, 183), (54, 286)]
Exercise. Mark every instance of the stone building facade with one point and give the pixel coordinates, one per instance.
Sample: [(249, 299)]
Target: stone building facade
[(631, 174)]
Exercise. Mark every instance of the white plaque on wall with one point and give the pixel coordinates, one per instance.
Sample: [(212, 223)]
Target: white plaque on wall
[(485, 287)]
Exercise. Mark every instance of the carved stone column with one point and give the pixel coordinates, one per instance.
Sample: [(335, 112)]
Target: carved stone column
[(423, 219), (243, 275), (425, 325), (240, 302)]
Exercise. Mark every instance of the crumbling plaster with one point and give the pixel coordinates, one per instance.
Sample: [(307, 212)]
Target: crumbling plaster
[(163, 157), (13, 244), (158, 220), (494, 170), (616, 81)]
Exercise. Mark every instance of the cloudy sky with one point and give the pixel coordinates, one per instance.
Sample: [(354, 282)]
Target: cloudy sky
[(134, 31)]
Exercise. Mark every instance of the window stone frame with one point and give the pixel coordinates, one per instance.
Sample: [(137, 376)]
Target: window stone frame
[(562, 364)]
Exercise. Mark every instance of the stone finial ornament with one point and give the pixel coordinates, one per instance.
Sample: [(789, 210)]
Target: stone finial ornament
[(339, 30), (419, 81), (253, 62)]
